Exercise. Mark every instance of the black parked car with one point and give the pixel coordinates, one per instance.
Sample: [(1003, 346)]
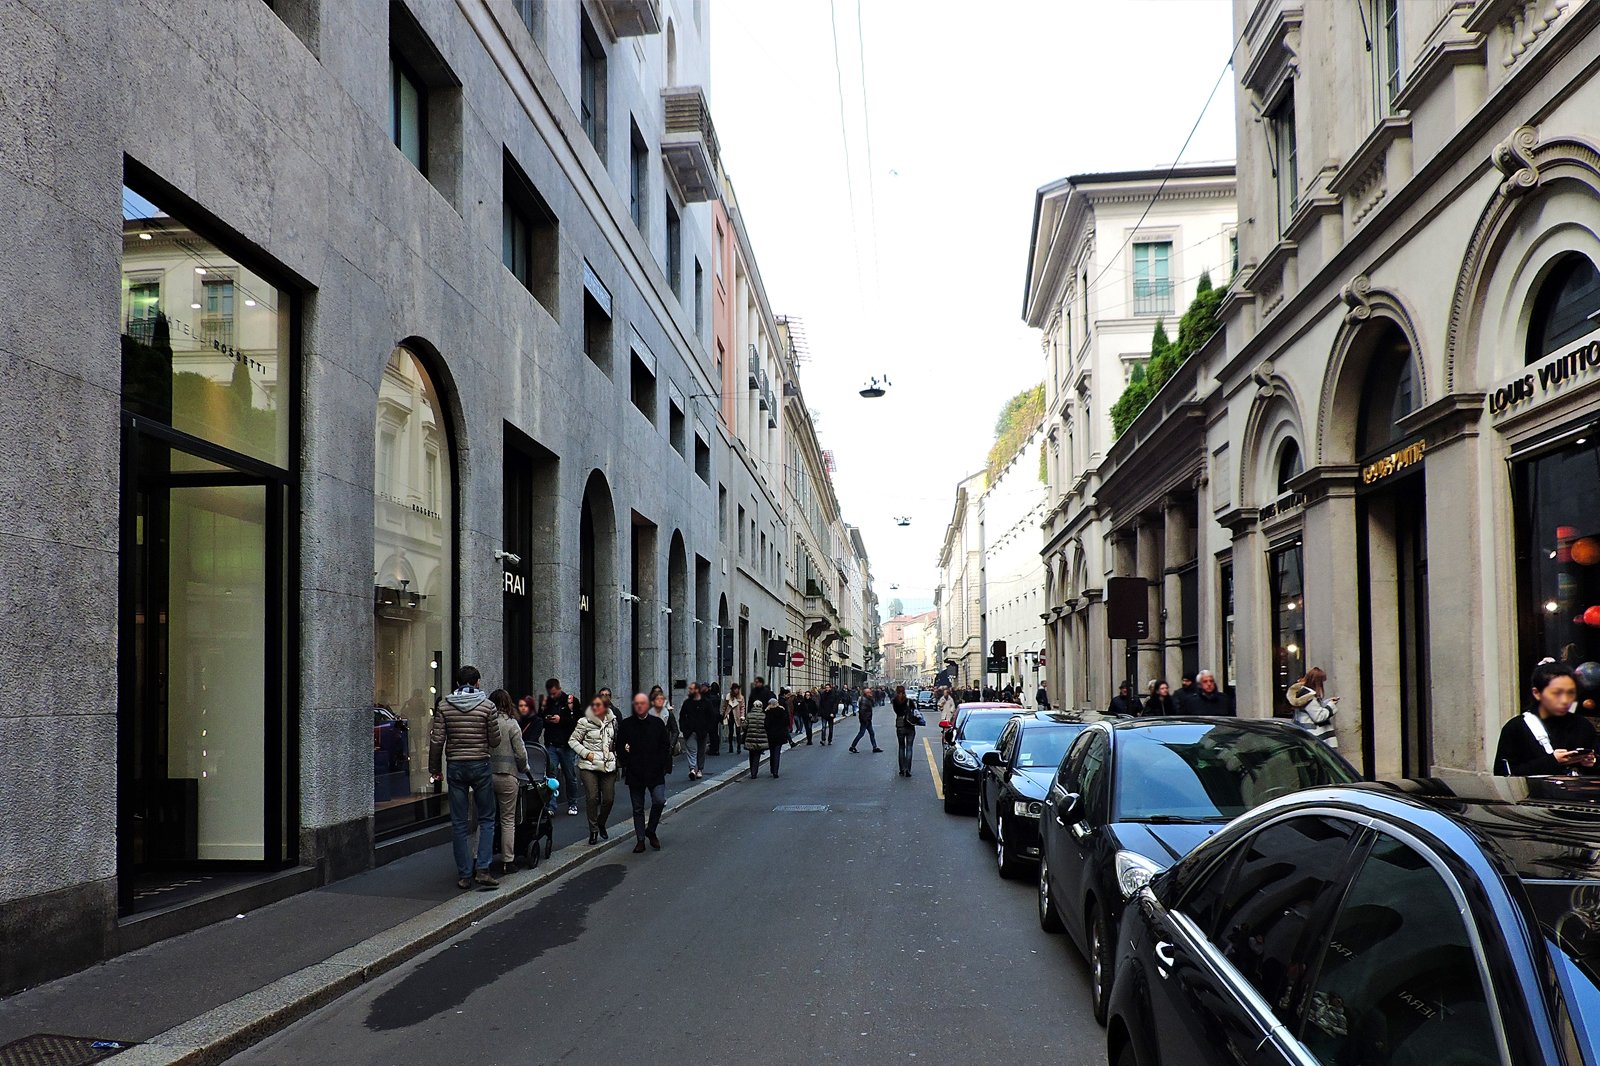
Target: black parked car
[(1016, 776), (975, 730), (1133, 796), (1452, 922)]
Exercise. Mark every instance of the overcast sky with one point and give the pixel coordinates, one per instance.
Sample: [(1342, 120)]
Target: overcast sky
[(971, 107)]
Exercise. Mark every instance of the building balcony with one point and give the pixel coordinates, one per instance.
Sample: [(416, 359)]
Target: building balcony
[(1152, 297), (755, 367), (689, 145), (765, 392), (632, 18)]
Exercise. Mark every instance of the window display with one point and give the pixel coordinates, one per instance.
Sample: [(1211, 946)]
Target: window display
[(1288, 623), (1558, 510)]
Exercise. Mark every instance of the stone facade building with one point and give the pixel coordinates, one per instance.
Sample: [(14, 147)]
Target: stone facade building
[(400, 355)]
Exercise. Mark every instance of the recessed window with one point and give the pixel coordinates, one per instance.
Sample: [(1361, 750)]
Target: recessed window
[(677, 428), (1152, 278), (741, 531), (596, 320), (1567, 307), (642, 388), (1388, 53), (592, 86), (529, 240), (638, 176), (699, 299), (531, 12), (722, 512), (1285, 159), (1290, 466), (408, 113), (702, 459), (674, 229), (1387, 394)]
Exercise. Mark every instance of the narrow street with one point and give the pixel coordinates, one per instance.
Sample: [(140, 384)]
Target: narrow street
[(836, 914)]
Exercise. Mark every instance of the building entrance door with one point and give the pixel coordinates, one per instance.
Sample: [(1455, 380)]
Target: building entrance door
[(1396, 713)]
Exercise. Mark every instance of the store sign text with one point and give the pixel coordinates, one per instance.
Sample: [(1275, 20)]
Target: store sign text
[(1550, 376), (1394, 462), (515, 584)]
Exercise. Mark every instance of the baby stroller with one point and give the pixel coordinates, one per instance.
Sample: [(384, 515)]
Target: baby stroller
[(535, 831)]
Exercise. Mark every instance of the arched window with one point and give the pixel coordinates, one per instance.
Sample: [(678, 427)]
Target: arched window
[(413, 534), (1388, 394), (1566, 308), (672, 54), (1290, 465)]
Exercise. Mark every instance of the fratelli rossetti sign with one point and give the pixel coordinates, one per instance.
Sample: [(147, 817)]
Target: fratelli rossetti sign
[(1400, 459), (1540, 382)]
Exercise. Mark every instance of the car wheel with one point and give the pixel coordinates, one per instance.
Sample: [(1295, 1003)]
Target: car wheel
[(1049, 917), (1100, 962), (951, 804), (983, 823), (1003, 860)]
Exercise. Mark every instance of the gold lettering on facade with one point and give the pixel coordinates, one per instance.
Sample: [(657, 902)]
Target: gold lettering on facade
[(1394, 462)]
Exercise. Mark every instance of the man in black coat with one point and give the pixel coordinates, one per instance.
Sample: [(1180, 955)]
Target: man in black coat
[(697, 719), (1123, 702), (1206, 697), (644, 755), (561, 713)]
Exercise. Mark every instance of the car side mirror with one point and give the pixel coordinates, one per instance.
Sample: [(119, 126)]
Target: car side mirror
[(1069, 808), (991, 759)]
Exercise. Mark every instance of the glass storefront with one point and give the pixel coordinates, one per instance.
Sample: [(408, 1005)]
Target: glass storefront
[(413, 589), (1558, 511), (1285, 567), (202, 728)]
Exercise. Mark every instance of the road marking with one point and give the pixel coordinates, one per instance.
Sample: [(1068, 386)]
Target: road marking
[(938, 782)]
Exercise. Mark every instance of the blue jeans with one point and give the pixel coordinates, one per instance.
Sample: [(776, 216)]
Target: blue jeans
[(865, 730), (658, 800), (471, 778), (564, 768)]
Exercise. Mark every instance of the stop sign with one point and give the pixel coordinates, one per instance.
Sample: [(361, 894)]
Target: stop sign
[(797, 658)]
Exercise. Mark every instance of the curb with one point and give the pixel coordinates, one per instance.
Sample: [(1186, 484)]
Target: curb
[(233, 1027)]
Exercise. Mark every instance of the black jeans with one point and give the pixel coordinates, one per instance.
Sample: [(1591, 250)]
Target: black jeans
[(658, 800), (904, 744), (807, 721), (866, 730), (755, 765), (774, 749), (827, 729)]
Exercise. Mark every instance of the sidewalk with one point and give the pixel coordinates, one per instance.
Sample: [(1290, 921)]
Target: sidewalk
[(208, 994)]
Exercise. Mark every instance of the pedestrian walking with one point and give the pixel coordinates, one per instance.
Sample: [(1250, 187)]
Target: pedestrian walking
[(779, 729), (866, 729), (905, 728), (1551, 738), (699, 723), (660, 708), (1207, 698), (1041, 699), (1123, 703), (733, 714), (827, 714), (644, 755), (528, 721), (755, 735), (560, 717), (947, 709), (594, 742), (508, 765), (808, 712), (1313, 708), (1161, 701), (463, 734)]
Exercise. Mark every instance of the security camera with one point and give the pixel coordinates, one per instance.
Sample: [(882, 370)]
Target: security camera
[(630, 597), (666, 610), (511, 557)]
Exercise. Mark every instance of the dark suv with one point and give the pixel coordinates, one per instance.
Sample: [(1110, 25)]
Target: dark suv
[(1442, 922)]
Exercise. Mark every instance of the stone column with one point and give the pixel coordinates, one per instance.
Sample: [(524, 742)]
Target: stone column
[(1149, 534), (1178, 551), (1333, 596), (1252, 620)]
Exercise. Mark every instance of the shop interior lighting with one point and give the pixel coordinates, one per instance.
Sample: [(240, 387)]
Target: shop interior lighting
[(1552, 607)]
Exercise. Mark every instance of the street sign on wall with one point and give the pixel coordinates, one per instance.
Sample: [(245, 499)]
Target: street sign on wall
[(797, 659)]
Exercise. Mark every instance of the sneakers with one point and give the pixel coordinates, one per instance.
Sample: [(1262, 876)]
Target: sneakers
[(572, 808), (877, 751), (464, 883), (483, 879), (853, 750)]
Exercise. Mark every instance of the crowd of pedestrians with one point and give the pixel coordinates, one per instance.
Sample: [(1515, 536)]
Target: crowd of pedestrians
[(480, 744)]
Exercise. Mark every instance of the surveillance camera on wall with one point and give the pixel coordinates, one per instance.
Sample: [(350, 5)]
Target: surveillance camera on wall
[(630, 597), (511, 557), (666, 610)]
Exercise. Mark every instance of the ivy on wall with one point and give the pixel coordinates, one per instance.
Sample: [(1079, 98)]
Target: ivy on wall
[(1196, 326), (1021, 415)]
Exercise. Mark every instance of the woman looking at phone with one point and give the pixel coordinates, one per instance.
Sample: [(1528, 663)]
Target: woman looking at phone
[(1550, 739)]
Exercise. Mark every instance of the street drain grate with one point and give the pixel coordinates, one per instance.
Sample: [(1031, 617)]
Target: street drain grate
[(787, 808), (47, 1049)]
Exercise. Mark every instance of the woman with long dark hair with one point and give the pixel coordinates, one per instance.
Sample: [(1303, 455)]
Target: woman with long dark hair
[(1312, 708), (905, 728), (508, 763)]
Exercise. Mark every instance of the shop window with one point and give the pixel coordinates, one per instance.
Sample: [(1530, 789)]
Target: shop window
[(1558, 536), (1285, 568), (1388, 393), (205, 591), (413, 590), (1225, 598), (1567, 307)]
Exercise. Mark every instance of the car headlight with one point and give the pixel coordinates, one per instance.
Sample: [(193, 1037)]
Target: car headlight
[(964, 759), (1134, 871), (1027, 808)]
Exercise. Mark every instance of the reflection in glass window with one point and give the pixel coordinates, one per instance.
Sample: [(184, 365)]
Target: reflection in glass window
[(1566, 309), (205, 339), (1558, 517), (1399, 981), (1043, 746), (1286, 571), (412, 586)]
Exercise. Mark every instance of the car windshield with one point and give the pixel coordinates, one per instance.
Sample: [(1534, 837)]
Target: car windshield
[(984, 728), (1569, 913), (1044, 745), (1215, 772)]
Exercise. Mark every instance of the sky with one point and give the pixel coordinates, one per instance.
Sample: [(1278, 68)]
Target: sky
[(899, 232)]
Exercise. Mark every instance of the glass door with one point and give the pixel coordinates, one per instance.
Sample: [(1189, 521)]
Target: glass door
[(201, 722)]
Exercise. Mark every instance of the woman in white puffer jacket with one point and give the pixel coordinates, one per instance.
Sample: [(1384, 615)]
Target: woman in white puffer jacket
[(594, 738)]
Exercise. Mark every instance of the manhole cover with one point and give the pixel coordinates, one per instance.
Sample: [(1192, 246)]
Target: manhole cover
[(45, 1049), (787, 808)]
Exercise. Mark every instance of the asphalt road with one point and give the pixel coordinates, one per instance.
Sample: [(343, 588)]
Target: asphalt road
[(872, 928)]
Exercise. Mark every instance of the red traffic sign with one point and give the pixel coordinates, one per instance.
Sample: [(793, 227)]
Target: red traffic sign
[(797, 658)]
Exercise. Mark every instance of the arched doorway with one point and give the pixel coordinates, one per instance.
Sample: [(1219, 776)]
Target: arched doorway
[(597, 586), (414, 645), (680, 659), (1392, 557)]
